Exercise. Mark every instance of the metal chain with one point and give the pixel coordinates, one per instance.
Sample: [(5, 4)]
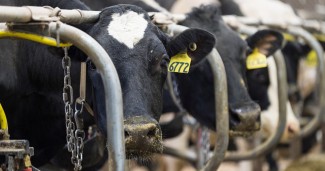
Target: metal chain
[(79, 132), (74, 137)]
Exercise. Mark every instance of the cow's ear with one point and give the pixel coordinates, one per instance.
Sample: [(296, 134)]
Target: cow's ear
[(196, 43), (266, 42)]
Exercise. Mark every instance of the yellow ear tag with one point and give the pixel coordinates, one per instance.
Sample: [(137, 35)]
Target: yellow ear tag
[(180, 63), (320, 37), (311, 59), (256, 60), (288, 37)]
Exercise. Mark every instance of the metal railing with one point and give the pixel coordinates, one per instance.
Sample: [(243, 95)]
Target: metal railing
[(221, 107), (112, 88), (298, 29), (267, 145)]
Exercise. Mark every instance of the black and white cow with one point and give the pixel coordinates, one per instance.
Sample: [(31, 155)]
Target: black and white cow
[(196, 88), (31, 78), (269, 115)]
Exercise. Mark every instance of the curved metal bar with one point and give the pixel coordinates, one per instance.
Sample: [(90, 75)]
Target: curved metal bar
[(112, 87), (33, 13), (275, 138), (171, 91), (282, 94), (221, 104), (314, 25), (187, 156), (314, 44), (222, 116)]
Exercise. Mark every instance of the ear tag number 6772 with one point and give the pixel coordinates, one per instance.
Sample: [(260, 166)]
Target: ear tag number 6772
[(180, 63)]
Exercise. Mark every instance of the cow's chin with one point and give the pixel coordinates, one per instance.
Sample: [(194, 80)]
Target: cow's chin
[(142, 150), (142, 155)]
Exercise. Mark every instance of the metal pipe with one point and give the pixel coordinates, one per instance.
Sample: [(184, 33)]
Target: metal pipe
[(188, 156), (282, 94), (112, 87), (221, 105), (171, 91), (275, 138), (33, 13), (314, 44), (312, 25), (222, 116)]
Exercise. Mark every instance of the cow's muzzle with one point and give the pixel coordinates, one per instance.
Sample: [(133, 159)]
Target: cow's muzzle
[(142, 137), (245, 117)]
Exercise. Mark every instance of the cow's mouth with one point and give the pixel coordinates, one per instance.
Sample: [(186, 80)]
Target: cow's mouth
[(140, 155), (143, 154), (143, 147)]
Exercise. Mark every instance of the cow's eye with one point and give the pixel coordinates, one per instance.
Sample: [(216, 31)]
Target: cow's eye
[(164, 61)]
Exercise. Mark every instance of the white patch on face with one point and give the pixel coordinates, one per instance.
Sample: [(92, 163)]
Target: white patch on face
[(127, 28), (269, 117)]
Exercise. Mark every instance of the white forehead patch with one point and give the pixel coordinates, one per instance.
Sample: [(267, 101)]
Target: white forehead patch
[(127, 28)]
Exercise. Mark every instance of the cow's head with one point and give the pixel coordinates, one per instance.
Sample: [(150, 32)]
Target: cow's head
[(266, 42), (263, 87), (196, 88), (301, 64), (141, 53)]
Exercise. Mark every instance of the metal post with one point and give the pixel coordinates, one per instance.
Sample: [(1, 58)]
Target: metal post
[(221, 104), (275, 138), (221, 99), (320, 117), (33, 13), (112, 88)]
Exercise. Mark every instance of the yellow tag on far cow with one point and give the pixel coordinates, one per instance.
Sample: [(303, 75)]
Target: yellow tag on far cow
[(180, 63), (311, 59), (3, 119), (256, 60), (288, 37)]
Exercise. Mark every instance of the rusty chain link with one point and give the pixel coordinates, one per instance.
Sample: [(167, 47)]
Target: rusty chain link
[(74, 136), (79, 132)]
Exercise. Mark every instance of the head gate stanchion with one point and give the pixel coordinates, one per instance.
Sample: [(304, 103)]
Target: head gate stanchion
[(296, 28), (222, 121), (282, 94), (314, 44), (112, 87), (114, 107)]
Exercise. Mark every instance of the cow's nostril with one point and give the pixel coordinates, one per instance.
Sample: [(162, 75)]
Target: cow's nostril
[(235, 118), (152, 133), (291, 130), (126, 134), (141, 130)]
